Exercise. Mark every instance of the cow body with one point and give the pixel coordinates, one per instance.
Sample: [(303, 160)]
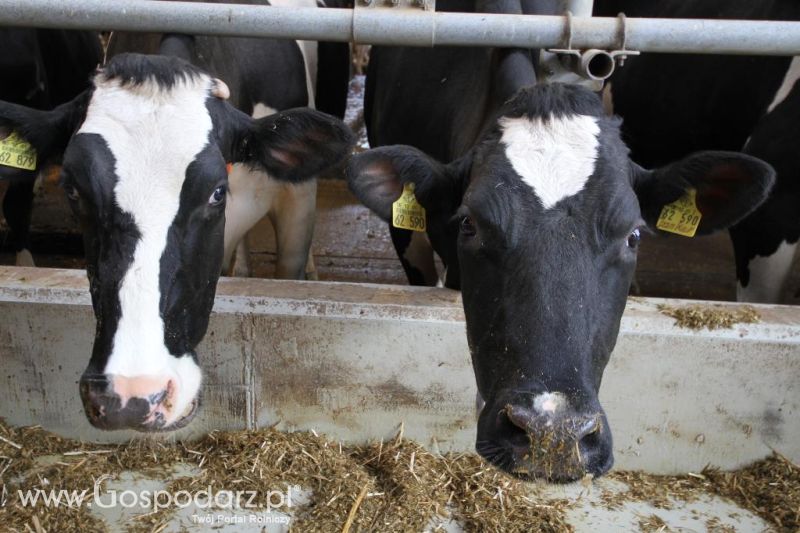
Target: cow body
[(39, 68), (675, 104), (536, 211)]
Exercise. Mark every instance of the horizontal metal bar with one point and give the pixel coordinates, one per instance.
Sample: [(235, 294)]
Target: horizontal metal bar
[(405, 27)]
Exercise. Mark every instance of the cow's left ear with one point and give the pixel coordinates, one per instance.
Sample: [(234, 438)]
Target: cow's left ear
[(294, 145), (48, 132), (728, 185), (377, 178)]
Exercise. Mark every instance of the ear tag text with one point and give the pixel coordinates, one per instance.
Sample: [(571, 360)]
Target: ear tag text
[(407, 213), (681, 216), (16, 152)]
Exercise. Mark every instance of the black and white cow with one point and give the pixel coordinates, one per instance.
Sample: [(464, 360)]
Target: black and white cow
[(265, 76), (144, 165), (39, 68), (536, 211), (706, 102)]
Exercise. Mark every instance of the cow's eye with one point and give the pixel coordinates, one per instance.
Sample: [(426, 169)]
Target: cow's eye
[(466, 226), (634, 238), (218, 196)]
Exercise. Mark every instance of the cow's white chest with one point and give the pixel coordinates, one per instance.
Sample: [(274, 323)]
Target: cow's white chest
[(554, 156)]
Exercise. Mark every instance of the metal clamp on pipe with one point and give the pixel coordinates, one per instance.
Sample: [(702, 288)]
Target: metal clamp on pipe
[(594, 64)]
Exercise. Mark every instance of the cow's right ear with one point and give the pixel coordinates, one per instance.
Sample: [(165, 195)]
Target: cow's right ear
[(377, 178), (48, 132)]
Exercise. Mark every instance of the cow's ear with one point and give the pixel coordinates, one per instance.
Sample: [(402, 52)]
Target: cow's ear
[(48, 132), (294, 145), (728, 186), (377, 178)]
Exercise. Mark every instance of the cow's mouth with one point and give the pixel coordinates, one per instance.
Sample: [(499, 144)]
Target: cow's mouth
[(182, 421)]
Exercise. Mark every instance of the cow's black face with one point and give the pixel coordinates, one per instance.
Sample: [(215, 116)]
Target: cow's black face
[(146, 173), (545, 233), (548, 233)]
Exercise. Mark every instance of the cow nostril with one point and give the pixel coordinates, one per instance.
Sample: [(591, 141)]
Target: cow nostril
[(591, 439), (520, 417), (586, 428)]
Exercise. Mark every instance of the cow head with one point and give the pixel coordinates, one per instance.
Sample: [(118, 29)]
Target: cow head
[(539, 225), (144, 166)]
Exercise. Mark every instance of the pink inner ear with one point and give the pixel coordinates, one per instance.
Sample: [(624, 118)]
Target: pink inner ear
[(287, 158), (719, 188), (383, 172)]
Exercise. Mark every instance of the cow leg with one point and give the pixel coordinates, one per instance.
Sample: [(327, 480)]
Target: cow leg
[(249, 198), (293, 216), (311, 268), (416, 255), (17, 208), (241, 260)]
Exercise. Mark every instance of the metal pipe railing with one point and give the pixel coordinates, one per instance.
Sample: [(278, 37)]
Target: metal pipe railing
[(410, 27)]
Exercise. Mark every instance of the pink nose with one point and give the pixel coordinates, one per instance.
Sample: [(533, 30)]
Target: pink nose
[(144, 403)]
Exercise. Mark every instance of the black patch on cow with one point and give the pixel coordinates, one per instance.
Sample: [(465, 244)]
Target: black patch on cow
[(110, 235), (192, 259)]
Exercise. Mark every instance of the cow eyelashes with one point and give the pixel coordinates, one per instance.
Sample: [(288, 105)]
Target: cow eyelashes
[(218, 196)]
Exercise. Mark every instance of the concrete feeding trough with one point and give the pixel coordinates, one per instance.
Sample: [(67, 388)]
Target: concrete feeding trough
[(355, 361)]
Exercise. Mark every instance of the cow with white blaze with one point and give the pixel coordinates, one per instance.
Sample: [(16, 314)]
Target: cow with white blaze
[(144, 166), (536, 210)]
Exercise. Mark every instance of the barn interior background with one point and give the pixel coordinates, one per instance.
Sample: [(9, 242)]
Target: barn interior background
[(370, 364)]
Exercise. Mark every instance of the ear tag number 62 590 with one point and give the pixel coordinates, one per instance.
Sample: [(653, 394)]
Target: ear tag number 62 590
[(407, 213), (681, 216)]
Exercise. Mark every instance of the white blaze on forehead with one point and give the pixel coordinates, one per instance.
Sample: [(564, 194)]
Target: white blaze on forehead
[(554, 156), (154, 134), (550, 403)]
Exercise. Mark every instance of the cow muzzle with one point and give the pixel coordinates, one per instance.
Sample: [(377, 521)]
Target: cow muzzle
[(536, 442), (143, 403)]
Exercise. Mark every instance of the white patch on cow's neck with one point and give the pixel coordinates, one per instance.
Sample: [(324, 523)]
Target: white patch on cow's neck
[(554, 156), (154, 134), (768, 276), (789, 79)]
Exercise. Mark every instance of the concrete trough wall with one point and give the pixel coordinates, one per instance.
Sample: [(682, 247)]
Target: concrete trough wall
[(355, 361)]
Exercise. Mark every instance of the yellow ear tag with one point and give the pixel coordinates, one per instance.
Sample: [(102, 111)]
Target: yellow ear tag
[(681, 216), (406, 211), (17, 152)]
